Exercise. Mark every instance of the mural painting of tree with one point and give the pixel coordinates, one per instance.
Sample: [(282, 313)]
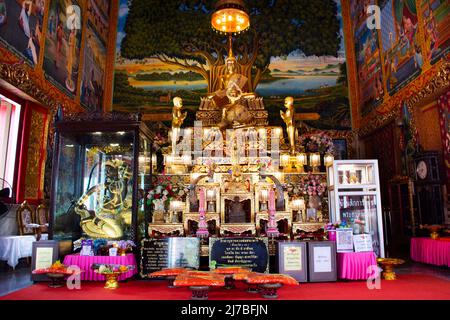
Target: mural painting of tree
[(179, 33)]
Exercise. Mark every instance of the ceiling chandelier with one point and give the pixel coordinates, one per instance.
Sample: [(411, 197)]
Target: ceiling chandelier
[(230, 17)]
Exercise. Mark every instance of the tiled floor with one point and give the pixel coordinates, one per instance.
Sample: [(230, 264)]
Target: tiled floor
[(13, 280)]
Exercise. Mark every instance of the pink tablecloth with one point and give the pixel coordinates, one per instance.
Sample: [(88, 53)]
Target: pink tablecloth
[(354, 265), (85, 263), (427, 250)]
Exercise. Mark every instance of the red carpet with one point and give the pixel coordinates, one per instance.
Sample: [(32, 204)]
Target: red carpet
[(407, 287)]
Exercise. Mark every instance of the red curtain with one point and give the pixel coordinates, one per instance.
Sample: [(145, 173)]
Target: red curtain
[(444, 120)]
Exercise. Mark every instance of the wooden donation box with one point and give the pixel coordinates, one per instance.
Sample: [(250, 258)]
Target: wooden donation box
[(322, 261), (239, 252), (291, 259), (157, 254)]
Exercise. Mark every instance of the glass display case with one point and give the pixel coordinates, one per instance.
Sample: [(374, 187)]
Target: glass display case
[(354, 198), (102, 166)]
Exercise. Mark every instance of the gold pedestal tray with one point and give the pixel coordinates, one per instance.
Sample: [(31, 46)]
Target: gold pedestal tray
[(388, 265), (111, 279), (57, 279)]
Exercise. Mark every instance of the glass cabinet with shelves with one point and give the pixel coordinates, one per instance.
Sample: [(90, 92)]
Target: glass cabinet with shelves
[(101, 170), (354, 198)]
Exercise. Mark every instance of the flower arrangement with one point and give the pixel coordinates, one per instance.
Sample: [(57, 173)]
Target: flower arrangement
[(124, 245), (165, 191), (333, 226), (312, 185), (317, 142)]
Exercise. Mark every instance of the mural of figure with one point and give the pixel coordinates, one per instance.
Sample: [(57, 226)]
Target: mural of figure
[(2, 12), (59, 43), (71, 56), (24, 18)]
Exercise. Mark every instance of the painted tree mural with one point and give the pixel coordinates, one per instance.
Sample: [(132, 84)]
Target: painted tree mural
[(179, 33)]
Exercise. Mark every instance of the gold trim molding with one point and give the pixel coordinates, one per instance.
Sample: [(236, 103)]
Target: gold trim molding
[(427, 86), (20, 75)]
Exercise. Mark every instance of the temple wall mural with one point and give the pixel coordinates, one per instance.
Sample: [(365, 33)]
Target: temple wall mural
[(52, 67), (150, 72), (395, 63)]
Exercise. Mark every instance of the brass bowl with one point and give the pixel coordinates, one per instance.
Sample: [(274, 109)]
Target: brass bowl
[(388, 264), (111, 279), (434, 230)]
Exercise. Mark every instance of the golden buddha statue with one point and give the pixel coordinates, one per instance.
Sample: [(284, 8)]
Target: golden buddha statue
[(178, 118), (288, 118)]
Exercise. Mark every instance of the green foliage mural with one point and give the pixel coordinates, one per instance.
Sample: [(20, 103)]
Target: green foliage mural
[(293, 47)]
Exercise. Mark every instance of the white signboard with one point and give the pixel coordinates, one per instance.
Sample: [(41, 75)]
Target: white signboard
[(363, 243), (292, 258), (322, 259), (44, 258), (344, 240)]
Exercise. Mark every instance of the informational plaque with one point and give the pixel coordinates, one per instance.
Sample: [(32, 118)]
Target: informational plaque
[(344, 240), (362, 243), (44, 254), (44, 258), (322, 261), (157, 254), (243, 252), (292, 260)]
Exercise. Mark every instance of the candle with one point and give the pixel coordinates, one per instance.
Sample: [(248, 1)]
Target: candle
[(202, 200), (271, 200)]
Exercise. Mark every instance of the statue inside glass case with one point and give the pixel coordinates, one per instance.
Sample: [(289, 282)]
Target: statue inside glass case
[(112, 203)]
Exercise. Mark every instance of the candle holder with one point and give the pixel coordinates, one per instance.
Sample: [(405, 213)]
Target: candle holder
[(298, 206), (328, 160), (263, 197), (314, 161), (211, 200), (301, 161)]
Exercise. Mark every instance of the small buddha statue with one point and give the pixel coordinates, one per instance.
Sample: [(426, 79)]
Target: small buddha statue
[(178, 118), (288, 118), (237, 212)]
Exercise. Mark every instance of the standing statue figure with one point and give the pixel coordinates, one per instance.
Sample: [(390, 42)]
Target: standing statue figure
[(288, 118), (177, 120)]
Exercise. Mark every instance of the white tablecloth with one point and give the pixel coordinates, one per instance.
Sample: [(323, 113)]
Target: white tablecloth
[(12, 248)]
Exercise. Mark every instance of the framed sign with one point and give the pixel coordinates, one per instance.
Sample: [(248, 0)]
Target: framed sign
[(362, 243), (243, 252), (44, 254), (344, 240), (292, 260), (157, 254), (322, 261)]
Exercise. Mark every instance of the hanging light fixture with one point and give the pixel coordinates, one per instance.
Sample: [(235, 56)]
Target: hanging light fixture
[(230, 17)]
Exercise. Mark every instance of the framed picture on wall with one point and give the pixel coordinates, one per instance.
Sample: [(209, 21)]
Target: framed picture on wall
[(341, 150)]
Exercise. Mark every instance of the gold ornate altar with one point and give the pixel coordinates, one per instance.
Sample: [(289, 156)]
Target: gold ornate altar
[(234, 166), (236, 169)]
